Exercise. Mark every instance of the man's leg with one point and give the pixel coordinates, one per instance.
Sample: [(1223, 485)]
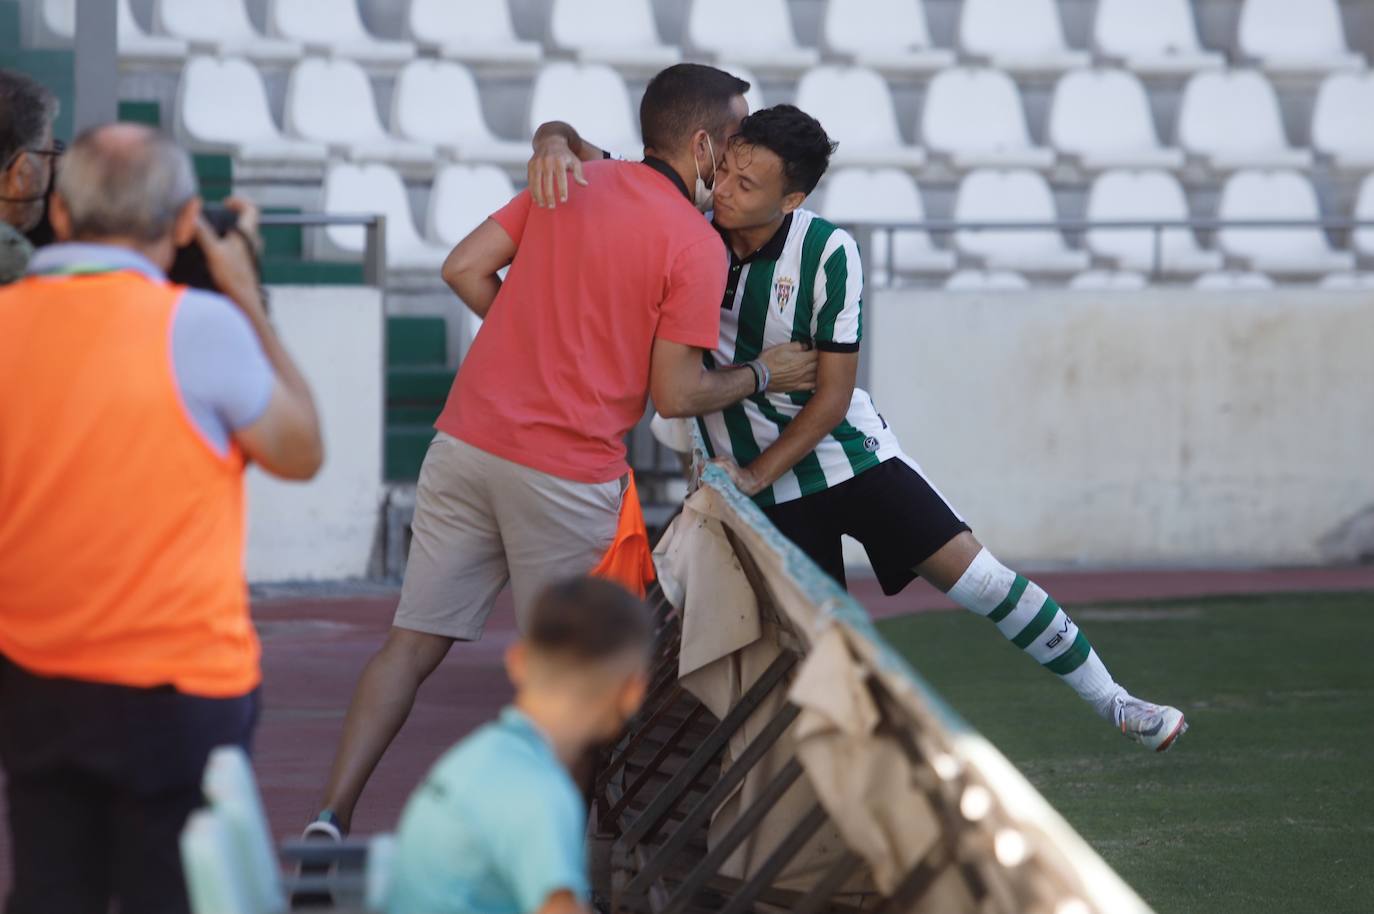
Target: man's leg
[(59, 844)]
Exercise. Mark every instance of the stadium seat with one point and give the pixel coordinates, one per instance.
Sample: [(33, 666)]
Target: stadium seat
[(757, 34), (1013, 196), (335, 26), (986, 281), (1348, 282), (222, 104), (477, 32), (1343, 120), (1103, 118), (1109, 281), (57, 20), (621, 33), (997, 138), (436, 103), (855, 196), (1023, 37), (214, 868), (754, 96), (1234, 281), (1278, 195), (1124, 196), (330, 101), (463, 196), (1363, 238), (223, 26), (232, 792), (591, 97), (890, 36), (1286, 37), (1232, 119), (376, 189), (1152, 37), (855, 106)]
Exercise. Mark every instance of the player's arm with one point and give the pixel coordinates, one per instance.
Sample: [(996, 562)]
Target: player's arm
[(681, 385), (471, 268), (558, 149)]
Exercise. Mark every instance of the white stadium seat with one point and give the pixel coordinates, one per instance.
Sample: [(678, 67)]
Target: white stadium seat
[(1232, 119), (1109, 281), (1343, 120), (57, 19), (890, 36), (1363, 239), (1278, 195), (223, 26), (1152, 37), (335, 26), (1125, 196), (477, 32), (757, 34), (996, 138), (222, 104), (855, 107), (854, 196), (1348, 282), (1234, 281), (986, 281), (621, 33), (591, 97), (754, 97), (1103, 117), (1023, 37), (1291, 37), (376, 189), (330, 101), (436, 102), (1013, 196), (463, 196)]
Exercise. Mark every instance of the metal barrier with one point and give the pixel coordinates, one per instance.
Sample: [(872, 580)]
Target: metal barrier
[(374, 236)]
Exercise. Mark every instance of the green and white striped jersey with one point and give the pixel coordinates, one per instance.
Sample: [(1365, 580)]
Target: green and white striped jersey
[(806, 284)]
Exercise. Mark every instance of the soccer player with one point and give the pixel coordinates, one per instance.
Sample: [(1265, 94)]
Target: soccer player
[(825, 463)]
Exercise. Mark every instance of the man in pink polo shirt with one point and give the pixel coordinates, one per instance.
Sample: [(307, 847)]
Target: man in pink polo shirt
[(610, 298)]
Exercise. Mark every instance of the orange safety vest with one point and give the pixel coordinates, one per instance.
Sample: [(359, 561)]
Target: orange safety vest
[(629, 560), (121, 530)]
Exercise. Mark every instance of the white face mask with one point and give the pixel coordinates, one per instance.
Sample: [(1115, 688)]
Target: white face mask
[(702, 194)]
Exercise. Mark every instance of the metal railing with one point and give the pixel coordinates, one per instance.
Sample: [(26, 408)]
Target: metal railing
[(374, 236)]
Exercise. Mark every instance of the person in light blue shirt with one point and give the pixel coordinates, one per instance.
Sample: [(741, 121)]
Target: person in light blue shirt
[(498, 826)]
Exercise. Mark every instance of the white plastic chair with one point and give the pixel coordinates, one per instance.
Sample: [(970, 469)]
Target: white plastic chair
[(476, 32), (890, 36), (1109, 281), (1013, 196), (1232, 119), (754, 97), (757, 34), (1343, 120), (375, 189), (854, 196), (330, 101), (856, 109), (1347, 282), (1152, 37), (986, 281), (437, 103), (232, 791), (1234, 281), (973, 116), (222, 104), (335, 26), (56, 19), (1123, 196), (221, 25), (212, 866), (591, 97), (1278, 195), (464, 196), (1363, 239), (1026, 36), (1103, 118), (621, 33), (1288, 37)]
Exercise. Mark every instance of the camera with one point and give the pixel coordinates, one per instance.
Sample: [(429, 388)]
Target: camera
[(190, 267)]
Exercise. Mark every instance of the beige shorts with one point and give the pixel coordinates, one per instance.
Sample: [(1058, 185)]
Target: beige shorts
[(481, 521)]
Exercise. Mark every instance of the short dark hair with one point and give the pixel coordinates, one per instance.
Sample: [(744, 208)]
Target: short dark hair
[(26, 109), (685, 98), (795, 137), (587, 619)]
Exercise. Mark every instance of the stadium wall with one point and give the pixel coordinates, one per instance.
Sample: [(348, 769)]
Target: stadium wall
[(326, 528), (1163, 427)]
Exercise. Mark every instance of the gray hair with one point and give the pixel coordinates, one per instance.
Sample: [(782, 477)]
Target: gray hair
[(26, 110), (125, 180)]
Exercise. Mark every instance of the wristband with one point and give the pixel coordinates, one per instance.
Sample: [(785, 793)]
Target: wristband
[(761, 375)]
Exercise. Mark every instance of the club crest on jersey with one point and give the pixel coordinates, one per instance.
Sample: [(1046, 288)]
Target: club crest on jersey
[(783, 290), (870, 444)]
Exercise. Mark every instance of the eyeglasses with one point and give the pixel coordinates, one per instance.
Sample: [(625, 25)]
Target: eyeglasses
[(53, 152)]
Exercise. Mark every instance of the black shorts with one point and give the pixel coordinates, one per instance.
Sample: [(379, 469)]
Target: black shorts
[(892, 510)]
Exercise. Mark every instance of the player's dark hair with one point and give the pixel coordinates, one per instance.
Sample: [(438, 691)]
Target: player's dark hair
[(683, 99), (586, 619), (795, 137)]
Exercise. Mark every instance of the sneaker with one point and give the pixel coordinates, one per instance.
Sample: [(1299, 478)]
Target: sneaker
[(324, 828), (1153, 726)]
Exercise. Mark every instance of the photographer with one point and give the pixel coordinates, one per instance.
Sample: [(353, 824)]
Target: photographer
[(132, 405), (27, 160)]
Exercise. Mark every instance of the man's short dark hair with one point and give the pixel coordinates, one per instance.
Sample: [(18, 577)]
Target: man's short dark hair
[(683, 99), (587, 619), (26, 110), (795, 137)]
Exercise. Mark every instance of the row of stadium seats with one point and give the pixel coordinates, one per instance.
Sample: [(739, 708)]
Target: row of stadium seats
[(1099, 118), (1128, 281), (1152, 37)]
